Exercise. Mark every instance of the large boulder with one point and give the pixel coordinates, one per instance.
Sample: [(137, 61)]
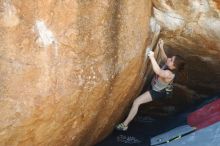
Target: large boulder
[(68, 69)]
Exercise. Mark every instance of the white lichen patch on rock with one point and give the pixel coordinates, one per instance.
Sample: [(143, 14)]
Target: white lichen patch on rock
[(10, 18), (200, 5), (169, 19), (155, 27), (211, 25), (45, 36)]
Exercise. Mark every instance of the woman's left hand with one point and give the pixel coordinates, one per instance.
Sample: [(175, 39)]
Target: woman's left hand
[(150, 54)]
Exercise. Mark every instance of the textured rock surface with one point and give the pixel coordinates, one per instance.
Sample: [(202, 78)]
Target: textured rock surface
[(68, 68)]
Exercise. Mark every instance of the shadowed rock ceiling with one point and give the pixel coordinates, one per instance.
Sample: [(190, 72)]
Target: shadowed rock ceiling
[(70, 69)]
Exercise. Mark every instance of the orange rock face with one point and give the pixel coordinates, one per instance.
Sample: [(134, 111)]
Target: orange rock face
[(68, 69)]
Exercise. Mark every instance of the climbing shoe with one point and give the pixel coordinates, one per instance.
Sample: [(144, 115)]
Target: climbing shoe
[(121, 127)]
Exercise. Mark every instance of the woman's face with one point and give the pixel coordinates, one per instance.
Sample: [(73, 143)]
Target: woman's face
[(170, 62)]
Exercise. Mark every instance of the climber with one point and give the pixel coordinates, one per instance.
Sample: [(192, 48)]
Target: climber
[(161, 85)]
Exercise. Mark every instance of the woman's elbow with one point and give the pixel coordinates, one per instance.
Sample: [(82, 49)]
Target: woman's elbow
[(160, 73)]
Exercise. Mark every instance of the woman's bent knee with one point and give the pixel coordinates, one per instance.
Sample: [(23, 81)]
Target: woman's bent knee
[(148, 96), (144, 98)]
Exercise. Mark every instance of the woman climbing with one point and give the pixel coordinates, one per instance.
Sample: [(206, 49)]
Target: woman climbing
[(160, 84)]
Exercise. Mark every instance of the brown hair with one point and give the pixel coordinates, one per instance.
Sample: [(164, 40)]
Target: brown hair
[(179, 63)]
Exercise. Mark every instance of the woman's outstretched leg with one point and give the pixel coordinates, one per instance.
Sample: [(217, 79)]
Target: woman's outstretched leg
[(144, 98)]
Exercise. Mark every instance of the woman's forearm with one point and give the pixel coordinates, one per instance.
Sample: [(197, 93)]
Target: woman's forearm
[(160, 45), (155, 66), (163, 53)]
